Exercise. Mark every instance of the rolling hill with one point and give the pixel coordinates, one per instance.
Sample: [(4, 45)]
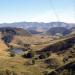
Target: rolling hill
[(58, 30), (45, 56), (14, 31)]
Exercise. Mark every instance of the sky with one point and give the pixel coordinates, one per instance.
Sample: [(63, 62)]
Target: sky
[(37, 11)]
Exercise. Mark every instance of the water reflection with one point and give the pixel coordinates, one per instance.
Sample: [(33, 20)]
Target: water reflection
[(17, 51)]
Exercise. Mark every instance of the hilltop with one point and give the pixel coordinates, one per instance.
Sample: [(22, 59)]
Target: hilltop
[(14, 31)]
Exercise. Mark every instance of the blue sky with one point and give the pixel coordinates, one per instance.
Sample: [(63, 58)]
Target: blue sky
[(37, 10)]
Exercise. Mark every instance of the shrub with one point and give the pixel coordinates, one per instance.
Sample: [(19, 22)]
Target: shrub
[(65, 59), (53, 62), (12, 54), (48, 54), (7, 72), (45, 72), (30, 54), (44, 55), (65, 72), (33, 61)]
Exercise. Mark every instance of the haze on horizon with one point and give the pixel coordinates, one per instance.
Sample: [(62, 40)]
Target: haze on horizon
[(37, 11)]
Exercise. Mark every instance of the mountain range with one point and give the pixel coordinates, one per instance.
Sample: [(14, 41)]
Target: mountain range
[(36, 28), (37, 25)]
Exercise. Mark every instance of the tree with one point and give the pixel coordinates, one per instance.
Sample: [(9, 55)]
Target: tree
[(33, 61)]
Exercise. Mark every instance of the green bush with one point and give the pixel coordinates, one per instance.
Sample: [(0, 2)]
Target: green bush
[(7, 72), (33, 61), (30, 54), (45, 72), (48, 54), (44, 55), (52, 63), (65, 72), (12, 54)]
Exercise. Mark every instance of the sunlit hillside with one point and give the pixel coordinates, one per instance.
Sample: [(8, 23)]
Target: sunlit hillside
[(37, 37), (3, 49)]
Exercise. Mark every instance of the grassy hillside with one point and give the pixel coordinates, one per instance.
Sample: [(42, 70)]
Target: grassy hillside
[(14, 31), (31, 62), (3, 50)]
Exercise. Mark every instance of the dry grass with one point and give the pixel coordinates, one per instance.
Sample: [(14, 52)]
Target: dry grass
[(21, 65), (3, 50), (18, 64), (32, 39)]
